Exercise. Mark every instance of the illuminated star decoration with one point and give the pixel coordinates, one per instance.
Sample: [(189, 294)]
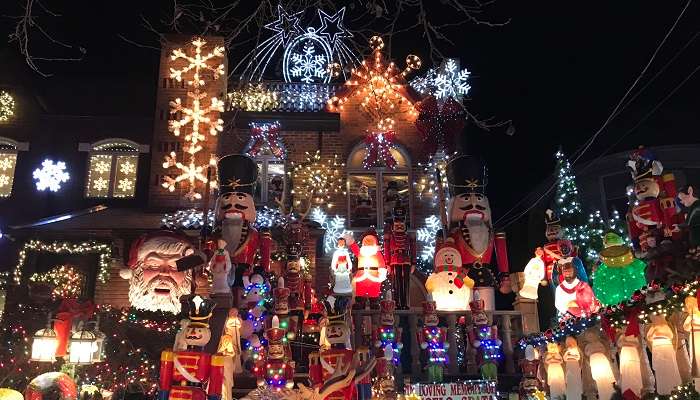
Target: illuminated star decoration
[(196, 115), (444, 82), (381, 88), (308, 53), (50, 175)]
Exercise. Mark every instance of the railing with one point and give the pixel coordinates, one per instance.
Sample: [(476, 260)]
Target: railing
[(283, 96), (509, 325)]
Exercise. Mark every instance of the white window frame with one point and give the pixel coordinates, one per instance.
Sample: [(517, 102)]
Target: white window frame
[(379, 173), (265, 160), (96, 148)]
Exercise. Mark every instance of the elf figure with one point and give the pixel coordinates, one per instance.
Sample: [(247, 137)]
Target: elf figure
[(276, 370), (341, 269), (471, 228), (371, 269), (484, 337), (400, 255), (387, 340), (433, 339), (653, 216), (184, 375), (235, 215), (339, 354)]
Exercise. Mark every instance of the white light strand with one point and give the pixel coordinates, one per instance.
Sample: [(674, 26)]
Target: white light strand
[(103, 250)]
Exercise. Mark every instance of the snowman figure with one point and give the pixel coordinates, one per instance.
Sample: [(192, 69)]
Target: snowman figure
[(449, 285)]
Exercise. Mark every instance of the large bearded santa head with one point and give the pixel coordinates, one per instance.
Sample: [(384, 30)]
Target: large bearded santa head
[(155, 284)]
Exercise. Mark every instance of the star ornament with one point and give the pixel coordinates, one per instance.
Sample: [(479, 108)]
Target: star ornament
[(286, 25), (332, 27)]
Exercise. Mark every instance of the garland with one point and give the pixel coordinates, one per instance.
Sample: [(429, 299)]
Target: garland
[(616, 316), (90, 247)]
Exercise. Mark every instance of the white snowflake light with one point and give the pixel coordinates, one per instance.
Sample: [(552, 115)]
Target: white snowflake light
[(334, 227), (103, 167), (444, 82), (426, 237), (7, 106), (127, 168), (50, 175), (308, 65), (100, 184)]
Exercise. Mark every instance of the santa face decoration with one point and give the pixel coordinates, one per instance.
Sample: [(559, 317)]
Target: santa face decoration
[(470, 208), (155, 283), (236, 206), (197, 336)]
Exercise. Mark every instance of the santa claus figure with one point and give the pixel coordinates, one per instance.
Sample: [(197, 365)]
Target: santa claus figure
[(653, 216), (484, 337), (400, 255), (341, 269), (573, 297), (276, 370), (470, 227), (433, 339), (338, 355), (155, 281), (185, 374), (235, 215), (449, 285), (371, 269)]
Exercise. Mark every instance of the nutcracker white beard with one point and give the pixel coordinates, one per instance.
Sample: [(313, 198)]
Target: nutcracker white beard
[(231, 230), (143, 294), (479, 234)]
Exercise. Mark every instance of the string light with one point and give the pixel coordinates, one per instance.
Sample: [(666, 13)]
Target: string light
[(379, 146), (381, 88), (197, 115), (253, 97), (191, 218), (67, 282), (317, 180), (7, 106), (103, 250), (333, 227)]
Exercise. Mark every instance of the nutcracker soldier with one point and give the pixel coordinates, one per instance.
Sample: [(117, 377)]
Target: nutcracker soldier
[(235, 215), (387, 340), (400, 255), (276, 370), (364, 385), (184, 374), (339, 354), (555, 249), (529, 365), (471, 228), (652, 217), (484, 337), (371, 269), (280, 295), (433, 339), (310, 332)]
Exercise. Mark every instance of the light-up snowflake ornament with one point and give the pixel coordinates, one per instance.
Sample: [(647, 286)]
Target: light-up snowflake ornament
[(4, 180), (102, 167), (308, 65), (444, 82), (50, 175), (426, 237), (100, 184), (6, 163), (125, 184), (127, 168), (334, 227)]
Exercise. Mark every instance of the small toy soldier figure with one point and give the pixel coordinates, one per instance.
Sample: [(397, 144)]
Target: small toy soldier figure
[(364, 385), (484, 337), (235, 215), (387, 340), (339, 354), (652, 218), (280, 295), (555, 249), (433, 339), (371, 269), (400, 255), (276, 370), (184, 374), (471, 228)]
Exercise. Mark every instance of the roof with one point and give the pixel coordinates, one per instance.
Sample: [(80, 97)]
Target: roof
[(95, 219)]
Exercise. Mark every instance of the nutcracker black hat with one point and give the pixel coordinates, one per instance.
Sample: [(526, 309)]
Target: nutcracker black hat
[(643, 164), (551, 218), (200, 311), (399, 213), (237, 173), (467, 174), (336, 310)]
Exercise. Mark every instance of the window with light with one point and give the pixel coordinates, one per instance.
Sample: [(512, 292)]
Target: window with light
[(271, 179), (8, 161), (373, 192), (112, 169)]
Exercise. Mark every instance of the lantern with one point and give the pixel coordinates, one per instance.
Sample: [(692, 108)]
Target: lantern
[(82, 346), (98, 355), (44, 345)]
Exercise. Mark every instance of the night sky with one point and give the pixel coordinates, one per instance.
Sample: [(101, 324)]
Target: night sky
[(556, 69)]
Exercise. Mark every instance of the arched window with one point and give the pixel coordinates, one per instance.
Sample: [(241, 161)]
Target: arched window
[(8, 161), (373, 192), (112, 168)]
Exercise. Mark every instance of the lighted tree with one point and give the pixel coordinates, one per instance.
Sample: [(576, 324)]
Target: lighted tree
[(199, 113), (566, 202), (316, 180)]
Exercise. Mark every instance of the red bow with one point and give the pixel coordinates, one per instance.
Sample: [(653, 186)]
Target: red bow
[(266, 136), (440, 125), (379, 145)]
